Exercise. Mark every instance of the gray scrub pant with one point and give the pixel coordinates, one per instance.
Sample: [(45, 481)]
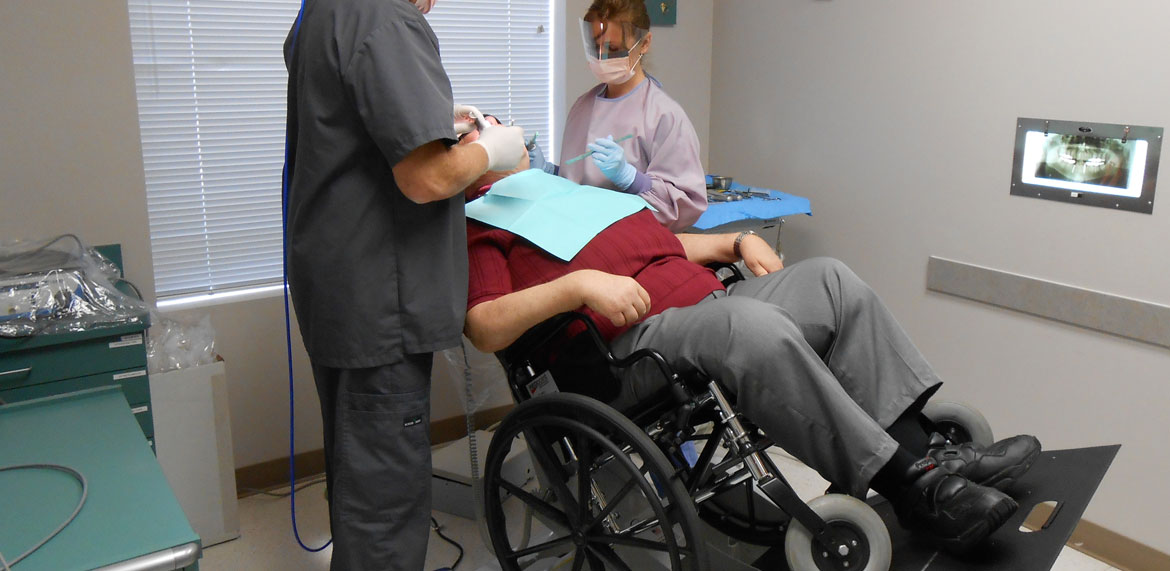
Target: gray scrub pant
[(378, 463), (812, 357)]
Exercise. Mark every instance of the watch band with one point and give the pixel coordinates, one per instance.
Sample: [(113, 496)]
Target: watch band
[(738, 239)]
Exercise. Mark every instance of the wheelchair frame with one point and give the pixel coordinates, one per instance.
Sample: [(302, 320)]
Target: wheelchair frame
[(669, 423)]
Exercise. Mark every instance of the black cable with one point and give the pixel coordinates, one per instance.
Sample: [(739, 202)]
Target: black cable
[(137, 292), (438, 530), (21, 255)]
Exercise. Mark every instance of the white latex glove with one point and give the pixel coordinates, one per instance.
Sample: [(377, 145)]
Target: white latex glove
[(504, 146), (465, 118)]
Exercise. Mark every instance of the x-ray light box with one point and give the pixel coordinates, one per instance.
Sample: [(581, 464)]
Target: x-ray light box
[(1106, 165)]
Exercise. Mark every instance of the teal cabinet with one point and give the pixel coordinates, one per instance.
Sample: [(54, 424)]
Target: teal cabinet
[(47, 365)]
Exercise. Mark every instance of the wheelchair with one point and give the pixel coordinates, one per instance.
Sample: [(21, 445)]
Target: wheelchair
[(637, 486)]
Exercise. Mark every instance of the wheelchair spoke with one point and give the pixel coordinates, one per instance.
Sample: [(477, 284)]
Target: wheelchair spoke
[(538, 548), (584, 453), (595, 562), (541, 506), (578, 559), (611, 558), (556, 473), (613, 502)]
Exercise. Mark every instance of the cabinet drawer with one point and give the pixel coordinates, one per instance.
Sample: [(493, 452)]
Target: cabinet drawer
[(133, 382), (68, 360)]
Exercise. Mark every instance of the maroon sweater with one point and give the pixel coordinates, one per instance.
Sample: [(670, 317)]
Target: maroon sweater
[(636, 246)]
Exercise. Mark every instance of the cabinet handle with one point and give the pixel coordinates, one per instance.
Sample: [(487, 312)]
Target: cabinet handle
[(15, 372)]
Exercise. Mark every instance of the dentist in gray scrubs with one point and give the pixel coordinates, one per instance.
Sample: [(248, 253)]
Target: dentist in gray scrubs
[(377, 255)]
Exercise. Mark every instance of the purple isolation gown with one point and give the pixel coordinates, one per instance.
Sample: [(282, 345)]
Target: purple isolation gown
[(665, 147)]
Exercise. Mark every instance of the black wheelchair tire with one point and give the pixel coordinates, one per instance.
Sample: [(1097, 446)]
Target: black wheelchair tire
[(597, 428)]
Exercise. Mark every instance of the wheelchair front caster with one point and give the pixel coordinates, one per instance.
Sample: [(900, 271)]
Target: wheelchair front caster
[(959, 423), (867, 544)]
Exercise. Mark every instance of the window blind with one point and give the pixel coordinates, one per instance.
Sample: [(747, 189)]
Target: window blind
[(211, 83)]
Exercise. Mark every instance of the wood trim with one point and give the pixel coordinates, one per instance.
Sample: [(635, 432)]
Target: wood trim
[(1105, 545), (274, 473)]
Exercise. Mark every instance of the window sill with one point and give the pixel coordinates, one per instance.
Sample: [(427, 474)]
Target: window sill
[(220, 298)]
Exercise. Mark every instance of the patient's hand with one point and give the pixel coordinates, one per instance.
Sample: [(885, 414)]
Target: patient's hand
[(758, 255), (620, 299)]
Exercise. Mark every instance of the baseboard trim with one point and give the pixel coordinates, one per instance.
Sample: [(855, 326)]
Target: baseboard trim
[(274, 473), (1105, 545)]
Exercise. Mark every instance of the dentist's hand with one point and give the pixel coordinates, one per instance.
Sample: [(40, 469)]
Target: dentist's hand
[(620, 299), (504, 146), (465, 118), (611, 159)]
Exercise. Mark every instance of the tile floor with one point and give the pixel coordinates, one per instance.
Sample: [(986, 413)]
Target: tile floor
[(267, 543)]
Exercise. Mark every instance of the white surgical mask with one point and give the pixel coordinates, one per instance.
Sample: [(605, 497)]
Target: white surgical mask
[(424, 6), (613, 71)]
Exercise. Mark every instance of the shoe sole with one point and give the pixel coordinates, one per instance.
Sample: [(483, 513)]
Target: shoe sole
[(1005, 478), (997, 514)]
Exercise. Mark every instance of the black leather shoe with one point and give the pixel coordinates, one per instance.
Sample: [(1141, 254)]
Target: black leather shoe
[(950, 509), (998, 465)]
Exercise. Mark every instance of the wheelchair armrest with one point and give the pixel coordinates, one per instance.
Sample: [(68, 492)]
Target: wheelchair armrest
[(551, 328), (535, 338), (736, 275)]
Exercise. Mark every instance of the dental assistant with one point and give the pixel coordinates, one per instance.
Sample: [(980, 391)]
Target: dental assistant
[(377, 256), (661, 161)]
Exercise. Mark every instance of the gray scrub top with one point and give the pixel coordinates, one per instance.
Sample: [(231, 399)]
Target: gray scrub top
[(372, 275)]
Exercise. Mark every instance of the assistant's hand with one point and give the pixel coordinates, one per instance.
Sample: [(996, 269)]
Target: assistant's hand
[(758, 255), (611, 159), (465, 118), (536, 160), (504, 146), (620, 299)]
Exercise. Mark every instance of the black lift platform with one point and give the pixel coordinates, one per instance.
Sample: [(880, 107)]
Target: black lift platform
[(1068, 478)]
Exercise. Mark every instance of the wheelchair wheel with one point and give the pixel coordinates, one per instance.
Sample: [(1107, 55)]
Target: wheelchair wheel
[(608, 495), (869, 547), (959, 423)]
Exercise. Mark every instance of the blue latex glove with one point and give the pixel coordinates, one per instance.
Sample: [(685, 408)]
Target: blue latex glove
[(536, 160), (611, 159)]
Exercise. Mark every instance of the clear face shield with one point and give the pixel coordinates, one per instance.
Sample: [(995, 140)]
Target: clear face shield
[(606, 39)]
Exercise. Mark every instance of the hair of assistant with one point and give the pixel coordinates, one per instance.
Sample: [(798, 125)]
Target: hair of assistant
[(633, 11)]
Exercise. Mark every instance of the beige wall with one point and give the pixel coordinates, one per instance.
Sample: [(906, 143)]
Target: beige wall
[(897, 119), (70, 158)]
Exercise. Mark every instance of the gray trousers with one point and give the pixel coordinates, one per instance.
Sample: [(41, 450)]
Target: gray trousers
[(378, 463), (812, 357)]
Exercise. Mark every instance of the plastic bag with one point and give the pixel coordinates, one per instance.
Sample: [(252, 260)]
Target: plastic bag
[(60, 285), (179, 342), (476, 376)]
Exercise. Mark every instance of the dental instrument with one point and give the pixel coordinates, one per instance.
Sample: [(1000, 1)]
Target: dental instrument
[(587, 153)]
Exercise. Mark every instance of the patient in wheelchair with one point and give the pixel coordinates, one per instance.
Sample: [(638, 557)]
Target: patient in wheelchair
[(810, 353)]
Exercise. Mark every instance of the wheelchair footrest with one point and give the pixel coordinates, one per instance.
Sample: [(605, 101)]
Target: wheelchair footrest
[(1063, 480)]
